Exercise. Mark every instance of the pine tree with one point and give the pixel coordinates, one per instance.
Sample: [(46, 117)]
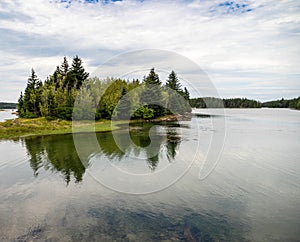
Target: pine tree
[(21, 105), (77, 74), (173, 82), (64, 68), (152, 78), (186, 94), (57, 77), (32, 95), (153, 93)]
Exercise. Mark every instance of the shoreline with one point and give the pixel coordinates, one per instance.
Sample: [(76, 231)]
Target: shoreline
[(21, 127)]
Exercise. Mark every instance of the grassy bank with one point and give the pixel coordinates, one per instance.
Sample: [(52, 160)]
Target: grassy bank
[(21, 127), (40, 126)]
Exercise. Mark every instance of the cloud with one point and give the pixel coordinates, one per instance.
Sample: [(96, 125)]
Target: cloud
[(241, 43)]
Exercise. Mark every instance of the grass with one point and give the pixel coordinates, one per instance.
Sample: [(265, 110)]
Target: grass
[(40, 126), (21, 127)]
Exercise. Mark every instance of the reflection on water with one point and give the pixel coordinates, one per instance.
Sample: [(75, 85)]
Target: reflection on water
[(252, 195), (57, 153)]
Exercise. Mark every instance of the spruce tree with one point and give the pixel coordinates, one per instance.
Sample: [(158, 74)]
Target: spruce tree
[(77, 73), (173, 82), (21, 105), (64, 68), (57, 77), (152, 78), (153, 93), (32, 95), (186, 94)]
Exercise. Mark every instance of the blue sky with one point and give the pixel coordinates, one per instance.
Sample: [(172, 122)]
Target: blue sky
[(248, 48)]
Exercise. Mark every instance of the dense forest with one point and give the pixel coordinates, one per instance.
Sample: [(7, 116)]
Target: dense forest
[(4, 105), (69, 93), (213, 102), (283, 103)]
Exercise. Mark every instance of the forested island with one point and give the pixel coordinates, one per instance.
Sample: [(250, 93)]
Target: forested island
[(56, 96), (61, 91), (69, 94)]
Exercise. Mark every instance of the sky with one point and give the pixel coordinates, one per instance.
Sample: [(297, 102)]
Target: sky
[(248, 48)]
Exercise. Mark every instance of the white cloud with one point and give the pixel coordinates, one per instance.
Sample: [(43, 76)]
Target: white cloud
[(227, 43)]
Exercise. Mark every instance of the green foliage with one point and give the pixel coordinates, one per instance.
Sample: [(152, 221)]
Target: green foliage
[(123, 110), (212, 102), (77, 75), (298, 104), (243, 103), (64, 68), (177, 98), (173, 82), (98, 99), (144, 112), (283, 103), (29, 104), (152, 94)]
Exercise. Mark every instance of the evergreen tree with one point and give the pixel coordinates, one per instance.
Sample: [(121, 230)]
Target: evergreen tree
[(173, 82), (175, 103), (64, 68), (77, 74), (21, 105), (153, 93), (32, 96), (57, 77), (152, 78), (186, 94)]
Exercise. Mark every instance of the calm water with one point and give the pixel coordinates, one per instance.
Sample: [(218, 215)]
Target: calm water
[(253, 194), (7, 114)]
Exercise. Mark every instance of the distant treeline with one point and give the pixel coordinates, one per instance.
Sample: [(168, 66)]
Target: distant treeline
[(61, 95), (8, 105), (283, 103), (213, 102)]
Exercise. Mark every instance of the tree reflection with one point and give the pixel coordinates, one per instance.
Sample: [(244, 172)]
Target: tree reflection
[(58, 153), (35, 150), (173, 142)]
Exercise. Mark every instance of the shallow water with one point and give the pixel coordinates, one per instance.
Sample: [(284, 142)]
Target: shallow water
[(49, 192)]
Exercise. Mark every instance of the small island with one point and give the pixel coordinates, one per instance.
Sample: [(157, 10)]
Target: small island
[(69, 94)]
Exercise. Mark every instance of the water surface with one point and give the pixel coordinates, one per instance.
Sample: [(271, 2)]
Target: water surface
[(6, 114), (49, 193)]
